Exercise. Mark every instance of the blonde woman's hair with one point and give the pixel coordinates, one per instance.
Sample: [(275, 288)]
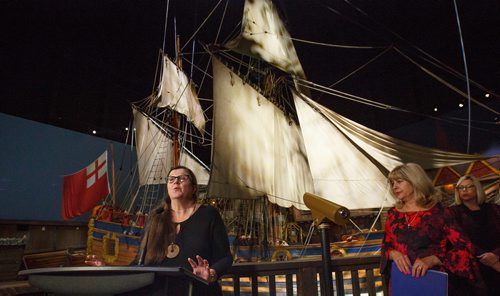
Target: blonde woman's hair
[(480, 196), (425, 193)]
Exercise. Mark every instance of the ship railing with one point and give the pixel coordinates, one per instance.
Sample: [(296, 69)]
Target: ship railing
[(351, 275)]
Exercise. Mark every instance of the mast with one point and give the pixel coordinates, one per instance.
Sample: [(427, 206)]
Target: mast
[(175, 117)]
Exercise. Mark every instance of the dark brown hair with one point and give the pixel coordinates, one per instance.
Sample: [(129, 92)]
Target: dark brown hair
[(160, 232)]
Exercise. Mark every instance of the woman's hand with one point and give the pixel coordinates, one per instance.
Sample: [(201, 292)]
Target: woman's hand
[(496, 266), (420, 266), (488, 259), (202, 269), (402, 261), (94, 260)]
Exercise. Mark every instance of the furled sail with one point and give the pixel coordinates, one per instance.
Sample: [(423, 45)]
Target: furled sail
[(264, 36), (177, 93), (256, 149), (155, 153), (390, 151), (349, 162)]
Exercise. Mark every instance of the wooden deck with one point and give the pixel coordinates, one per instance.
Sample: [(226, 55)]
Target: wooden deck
[(352, 276)]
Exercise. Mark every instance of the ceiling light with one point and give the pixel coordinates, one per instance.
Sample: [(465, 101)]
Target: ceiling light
[(435, 109), (487, 95)]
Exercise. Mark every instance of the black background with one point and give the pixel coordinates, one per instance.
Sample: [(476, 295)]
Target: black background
[(77, 64)]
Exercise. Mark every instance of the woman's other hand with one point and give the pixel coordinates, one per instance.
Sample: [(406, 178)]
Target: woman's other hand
[(496, 266), (402, 261), (202, 269), (488, 258), (421, 266), (94, 260)]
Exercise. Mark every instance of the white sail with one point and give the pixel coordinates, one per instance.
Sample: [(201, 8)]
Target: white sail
[(341, 172), (155, 154), (176, 92), (264, 36), (349, 162), (200, 170), (257, 151), (154, 151)]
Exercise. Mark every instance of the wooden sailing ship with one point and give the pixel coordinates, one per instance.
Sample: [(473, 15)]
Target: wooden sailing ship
[(269, 143)]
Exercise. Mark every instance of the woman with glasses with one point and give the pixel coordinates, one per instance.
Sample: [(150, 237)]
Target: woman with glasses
[(481, 223), (183, 233), (420, 234)]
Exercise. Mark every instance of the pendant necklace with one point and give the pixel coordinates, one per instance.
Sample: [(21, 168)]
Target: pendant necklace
[(410, 221), (173, 249)]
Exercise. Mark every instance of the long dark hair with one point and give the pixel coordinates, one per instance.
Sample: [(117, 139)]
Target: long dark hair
[(161, 232)]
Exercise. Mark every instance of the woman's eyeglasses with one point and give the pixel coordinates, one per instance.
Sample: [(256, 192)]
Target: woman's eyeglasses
[(174, 179), (465, 188)]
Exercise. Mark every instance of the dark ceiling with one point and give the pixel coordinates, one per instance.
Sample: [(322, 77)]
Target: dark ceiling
[(77, 64)]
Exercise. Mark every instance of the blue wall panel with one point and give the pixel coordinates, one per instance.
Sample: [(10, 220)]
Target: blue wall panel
[(36, 156)]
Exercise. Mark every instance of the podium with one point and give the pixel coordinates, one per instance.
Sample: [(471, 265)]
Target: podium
[(113, 280)]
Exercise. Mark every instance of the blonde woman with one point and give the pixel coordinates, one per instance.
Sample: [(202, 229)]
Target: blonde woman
[(421, 235), (480, 221)]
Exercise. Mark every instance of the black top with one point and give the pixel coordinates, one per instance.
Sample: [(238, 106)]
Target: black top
[(483, 228), (204, 234)]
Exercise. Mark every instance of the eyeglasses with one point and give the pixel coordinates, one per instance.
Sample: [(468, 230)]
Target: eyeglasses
[(174, 179), (465, 188)]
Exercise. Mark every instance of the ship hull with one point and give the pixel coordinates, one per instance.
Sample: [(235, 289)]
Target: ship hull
[(115, 243)]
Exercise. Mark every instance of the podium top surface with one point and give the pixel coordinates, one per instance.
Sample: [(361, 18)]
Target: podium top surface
[(103, 280), (106, 270)]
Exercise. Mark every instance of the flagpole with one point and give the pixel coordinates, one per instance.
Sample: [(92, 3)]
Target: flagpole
[(113, 183)]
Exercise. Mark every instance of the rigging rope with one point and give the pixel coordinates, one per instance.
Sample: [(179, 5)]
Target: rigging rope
[(357, 99), (215, 41), (344, 95), (361, 67), (165, 26), (444, 82), (332, 45), (448, 69), (202, 24), (308, 239), (466, 74)]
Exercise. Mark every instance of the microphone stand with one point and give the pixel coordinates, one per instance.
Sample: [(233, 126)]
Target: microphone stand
[(142, 252)]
